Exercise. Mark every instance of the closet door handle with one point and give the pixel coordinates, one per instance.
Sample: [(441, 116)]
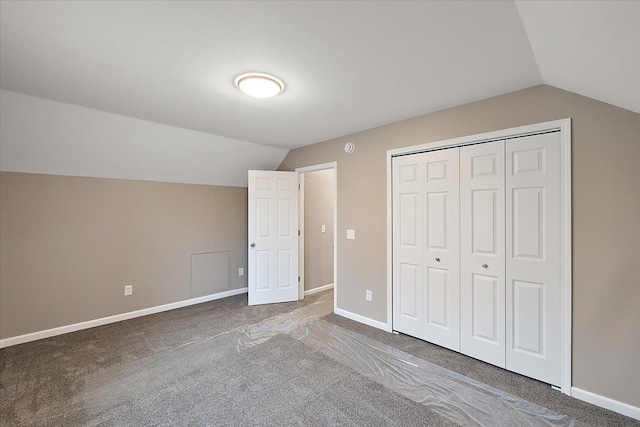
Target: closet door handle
[(253, 245), (438, 259), (485, 266)]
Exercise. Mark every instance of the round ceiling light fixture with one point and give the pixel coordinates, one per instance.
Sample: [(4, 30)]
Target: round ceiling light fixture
[(259, 85)]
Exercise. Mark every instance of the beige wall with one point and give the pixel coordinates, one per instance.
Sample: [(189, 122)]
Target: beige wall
[(68, 245), (318, 246), (606, 218)]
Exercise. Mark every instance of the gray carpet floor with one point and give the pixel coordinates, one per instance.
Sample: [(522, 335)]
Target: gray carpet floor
[(257, 388), (51, 381)]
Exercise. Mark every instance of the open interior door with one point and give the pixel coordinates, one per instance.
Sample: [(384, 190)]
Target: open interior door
[(273, 237)]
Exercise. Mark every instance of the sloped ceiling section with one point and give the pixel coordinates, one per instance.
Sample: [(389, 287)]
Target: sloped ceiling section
[(42, 136), (587, 47)]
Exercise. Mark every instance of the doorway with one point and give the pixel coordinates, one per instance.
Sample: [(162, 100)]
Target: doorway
[(317, 223)]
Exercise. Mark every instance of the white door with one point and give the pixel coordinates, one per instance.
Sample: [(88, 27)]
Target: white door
[(426, 247), (408, 292), (533, 276), (273, 237), (441, 198), (482, 252)]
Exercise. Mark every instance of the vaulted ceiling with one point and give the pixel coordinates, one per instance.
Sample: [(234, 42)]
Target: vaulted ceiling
[(347, 66)]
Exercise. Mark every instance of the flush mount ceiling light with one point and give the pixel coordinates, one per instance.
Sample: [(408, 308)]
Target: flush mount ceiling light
[(259, 85)]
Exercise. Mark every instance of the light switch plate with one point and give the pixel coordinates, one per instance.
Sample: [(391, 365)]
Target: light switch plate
[(351, 234), (241, 271), (324, 228)]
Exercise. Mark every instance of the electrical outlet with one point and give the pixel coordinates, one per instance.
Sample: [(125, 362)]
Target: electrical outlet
[(241, 271), (324, 228), (128, 290), (351, 234), (369, 295)]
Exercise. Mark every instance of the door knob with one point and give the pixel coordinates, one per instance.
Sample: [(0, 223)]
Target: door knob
[(438, 259), (485, 266), (253, 245)]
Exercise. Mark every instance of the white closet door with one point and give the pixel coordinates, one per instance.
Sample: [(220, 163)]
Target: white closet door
[(441, 253), (426, 296), (482, 252), (533, 257), (408, 293)]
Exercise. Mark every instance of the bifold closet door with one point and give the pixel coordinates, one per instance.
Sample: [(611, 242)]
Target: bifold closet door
[(482, 252), (408, 292), (533, 275), (476, 251), (426, 293)]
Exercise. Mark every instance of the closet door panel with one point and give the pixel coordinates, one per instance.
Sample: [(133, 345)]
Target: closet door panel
[(441, 248), (485, 308), (408, 291), (533, 276), (482, 252), (426, 293)]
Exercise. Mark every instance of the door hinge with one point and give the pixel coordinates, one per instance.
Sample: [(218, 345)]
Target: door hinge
[(298, 232), (298, 186), (298, 279)]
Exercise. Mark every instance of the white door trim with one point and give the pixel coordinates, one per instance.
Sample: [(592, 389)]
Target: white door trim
[(301, 235), (301, 171), (564, 126)]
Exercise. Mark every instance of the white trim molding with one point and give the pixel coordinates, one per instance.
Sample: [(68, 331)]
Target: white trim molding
[(318, 289), (313, 168), (564, 126), (301, 272), (34, 336), (607, 403), (566, 253), (362, 319)]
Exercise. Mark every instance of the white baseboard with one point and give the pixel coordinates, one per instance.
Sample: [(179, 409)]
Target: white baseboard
[(607, 403), (7, 342), (318, 289), (362, 319)]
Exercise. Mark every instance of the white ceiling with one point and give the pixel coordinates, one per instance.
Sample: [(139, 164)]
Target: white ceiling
[(54, 138), (348, 66)]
